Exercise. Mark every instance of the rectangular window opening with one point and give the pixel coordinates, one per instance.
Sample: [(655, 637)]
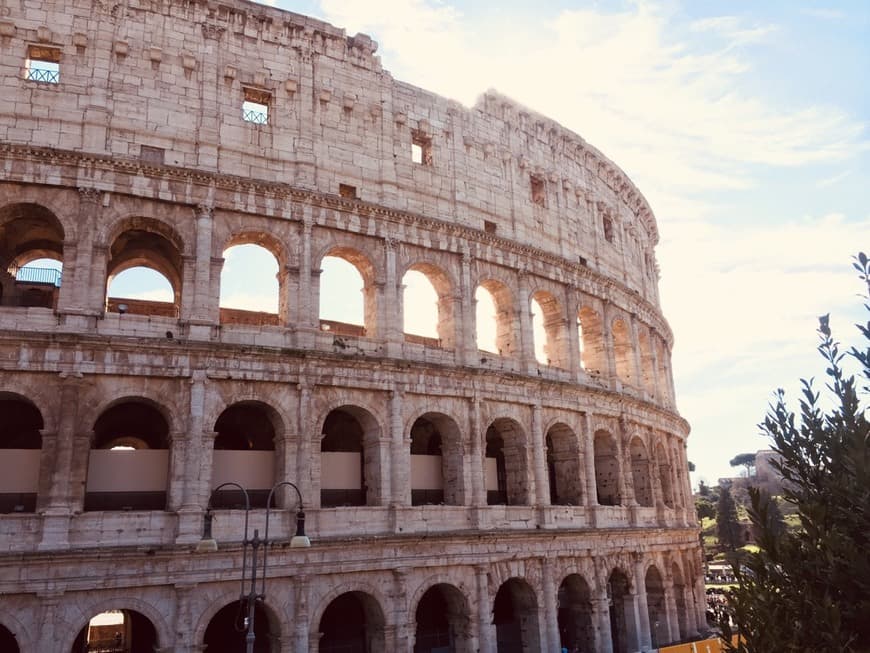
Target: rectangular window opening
[(421, 149), (489, 227), (150, 154), (347, 191), (255, 107), (43, 64), (538, 194)]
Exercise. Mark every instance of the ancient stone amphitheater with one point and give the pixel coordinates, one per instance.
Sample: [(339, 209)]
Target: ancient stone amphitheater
[(515, 480)]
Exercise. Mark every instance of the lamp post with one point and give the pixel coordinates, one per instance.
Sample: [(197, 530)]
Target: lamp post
[(208, 543)]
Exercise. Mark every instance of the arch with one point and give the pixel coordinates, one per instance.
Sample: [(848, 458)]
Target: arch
[(245, 453), (507, 464), (434, 316), (664, 472), (343, 270), (128, 465), (442, 620), (495, 333), (21, 424), (621, 601), (252, 286), (29, 231), (563, 466), (226, 630), (436, 461), (145, 243), (548, 330), (640, 472), (590, 332), (117, 629), (574, 602), (353, 622), (350, 467), (515, 615), (647, 363), (623, 353), (607, 469), (655, 602)]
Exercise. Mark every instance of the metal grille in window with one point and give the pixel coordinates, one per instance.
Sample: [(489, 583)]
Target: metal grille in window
[(255, 107), (46, 75), (255, 116), (43, 64)]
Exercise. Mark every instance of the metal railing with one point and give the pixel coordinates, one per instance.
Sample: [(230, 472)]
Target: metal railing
[(257, 117), (48, 276), (44, 75)]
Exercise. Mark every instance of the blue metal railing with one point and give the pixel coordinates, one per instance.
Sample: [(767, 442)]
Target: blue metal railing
[(257, 117), (44, 75), (48, 276)]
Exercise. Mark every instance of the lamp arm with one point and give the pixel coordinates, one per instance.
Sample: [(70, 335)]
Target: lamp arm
[(266, 536), (247, 512)]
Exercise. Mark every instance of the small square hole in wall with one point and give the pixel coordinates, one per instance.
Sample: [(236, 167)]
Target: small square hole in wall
[(150, 154), (421, 149), (538, 191), (255, 107), (42, 64), (489, 227), (347, 191)]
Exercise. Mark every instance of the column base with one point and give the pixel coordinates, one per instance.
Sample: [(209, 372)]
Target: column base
[(55, 530), (189, 525)]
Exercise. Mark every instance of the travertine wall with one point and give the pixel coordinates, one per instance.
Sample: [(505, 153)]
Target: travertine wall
[(510, 201)]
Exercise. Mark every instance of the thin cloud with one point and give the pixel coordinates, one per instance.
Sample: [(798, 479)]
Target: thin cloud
[(824, 13)]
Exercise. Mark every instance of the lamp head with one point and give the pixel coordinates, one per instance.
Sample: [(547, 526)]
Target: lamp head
[(300, 540), (207, 544)]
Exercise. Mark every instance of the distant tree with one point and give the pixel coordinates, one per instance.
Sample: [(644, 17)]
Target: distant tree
[(705, 508), (703, 488), (775, 522), (809, 590), (691, 466), (727, 526), (746, 460)]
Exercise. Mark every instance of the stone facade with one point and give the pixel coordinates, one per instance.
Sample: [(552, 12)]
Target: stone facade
[(124, 142)]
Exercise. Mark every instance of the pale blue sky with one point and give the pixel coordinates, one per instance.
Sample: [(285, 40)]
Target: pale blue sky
[(744, 123)]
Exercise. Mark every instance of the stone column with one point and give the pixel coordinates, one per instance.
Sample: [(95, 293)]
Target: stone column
[(589, 459), (96, 292), (486, 629), (301, 617), (550, 639), (466, 334), (635, 352), (478, 453), (307, 432), (185, 297), (526, 353), (202, 310), (175, 481), (74, 293), (400, 460), (654, 358), (185, 620), (601, 623), (207, 133), (49, 631), (673, 623), (404, 628), (626, 485), (644, 638), (609, 351), (309, 298), (633, 626), (541, 490), (392, 328), (572, 337)]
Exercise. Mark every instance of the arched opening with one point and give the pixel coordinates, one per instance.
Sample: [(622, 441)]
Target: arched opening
[(352, 623), (506, 464), (21, 444), (575, 615), (142, 262), (606, 469), (640, 473), (680, 602), (548, 331), (647, 364), (8, 642), (591, 336), (515, 615), (250, 285), (621, 609), (623, 353), (563, 466), (443, 624), (655, 602), (226, 631), (350, 472), (427, 303), (436, 461), (494, 318), (244, 453), (31, 256), (129, 459), (664, 469), (347, 294), (117, 631)]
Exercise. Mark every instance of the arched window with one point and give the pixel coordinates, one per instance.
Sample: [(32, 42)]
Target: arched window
[(128, 466), (623, 352), (515, 615), (350, 473), (640, 473), (420, 307), (664, 470), (226, 631), (31, 256), (20, 448), (647, 364), (606, 469), (352, 622), (436, 461), (495, 318), (621, 603), (575, 614), (442, 621), (655, 602), (591, 337), (547, 328), (506, 464), (117, 631), (347, 303), (563, 466), (249, 286)]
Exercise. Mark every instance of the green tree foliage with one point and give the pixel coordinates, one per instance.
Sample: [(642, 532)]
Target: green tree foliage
[(746, 460), (809, 590), (727, 526), (703, 488), (705, 508)]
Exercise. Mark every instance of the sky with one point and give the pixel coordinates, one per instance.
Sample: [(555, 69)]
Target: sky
[(745, 125)]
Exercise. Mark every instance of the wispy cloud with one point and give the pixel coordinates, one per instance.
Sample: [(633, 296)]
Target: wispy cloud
[(824, 13), (832, 181)]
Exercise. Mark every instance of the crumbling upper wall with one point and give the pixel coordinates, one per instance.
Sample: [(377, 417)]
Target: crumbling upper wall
[(165, 81)]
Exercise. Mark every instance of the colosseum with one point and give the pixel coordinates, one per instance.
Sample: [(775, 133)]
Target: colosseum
[(514, 479)]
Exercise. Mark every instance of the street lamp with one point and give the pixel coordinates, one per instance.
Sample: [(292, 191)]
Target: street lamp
[(208, 543)]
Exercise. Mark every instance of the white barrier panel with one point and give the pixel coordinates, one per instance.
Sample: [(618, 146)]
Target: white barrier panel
[(491, 471), (253, 470), (426, 473), (142, 470), (340, 470), (19, 470)]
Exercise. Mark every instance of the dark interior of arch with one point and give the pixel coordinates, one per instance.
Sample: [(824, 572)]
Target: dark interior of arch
[(515, 615), (575, 614), (131, 419), (341, 432), (226, 630), (495, 449), (425, 438), (245, 427), (135, 635), (618, 588), (8, 643), (442, 620), (20, 425), (348, 625)]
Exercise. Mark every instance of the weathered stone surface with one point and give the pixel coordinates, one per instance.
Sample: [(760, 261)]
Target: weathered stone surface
[(139, 154)]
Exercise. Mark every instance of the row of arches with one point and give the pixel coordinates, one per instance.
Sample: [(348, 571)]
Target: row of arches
[(633, 609), (424, 296), (131, 444)]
